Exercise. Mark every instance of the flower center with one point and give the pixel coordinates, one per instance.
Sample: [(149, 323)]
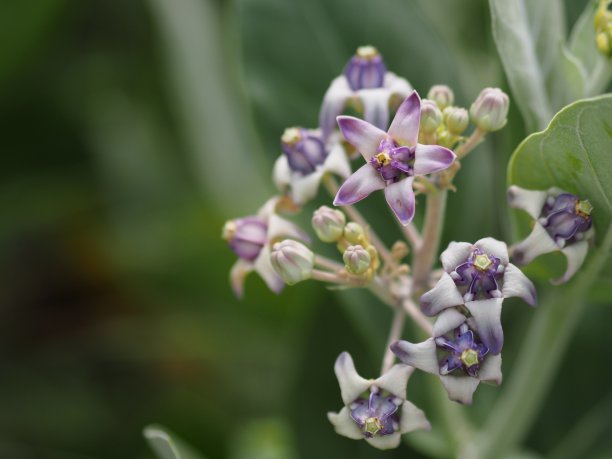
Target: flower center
[(482, 262), (291, 136), (229, 230), (367, 52), (584, 208), (372, 425), (383, 159), (469, 357)]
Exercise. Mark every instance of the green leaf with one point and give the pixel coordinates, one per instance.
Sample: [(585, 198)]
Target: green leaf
[(574, 153), (166, 446)]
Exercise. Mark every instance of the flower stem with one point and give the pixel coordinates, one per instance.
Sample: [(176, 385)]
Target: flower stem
[(395, 333), (326, 263), (325, 276), (471, 143), (419, 318)]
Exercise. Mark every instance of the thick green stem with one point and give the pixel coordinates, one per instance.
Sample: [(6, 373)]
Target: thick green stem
[(538, 360)]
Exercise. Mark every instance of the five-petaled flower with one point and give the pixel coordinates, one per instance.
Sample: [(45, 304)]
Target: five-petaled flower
[(375, 409), (479, 276), (456, 354), (393, 159), (251, 238), (563, 223), (306, 158), (367, 83)]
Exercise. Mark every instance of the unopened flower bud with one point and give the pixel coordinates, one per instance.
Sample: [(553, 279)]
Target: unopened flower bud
[(431, 116), (490, 110), (292, 260), (328, 223), (354, 233), (356, 259), (366, 69), (456, 119), (304, 148), (603, 27), (442, 95)]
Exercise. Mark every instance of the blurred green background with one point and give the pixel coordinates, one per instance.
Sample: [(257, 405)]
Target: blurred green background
[(131, 130)]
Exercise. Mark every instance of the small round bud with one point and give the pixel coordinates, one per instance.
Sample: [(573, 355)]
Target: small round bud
[(356, 259), (328, 223), (292, 260), (490, 110), (442, 95), (304, 149), (431, 116), (456, 119), (354, 233)]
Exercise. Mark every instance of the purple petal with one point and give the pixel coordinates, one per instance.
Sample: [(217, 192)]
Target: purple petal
[(364, 181), (421, 355), (376, 106), (517, 284), (575, 254), (432, 158), (351, 384), (487, 315), (405, 126), (444, 295), (361, 134), (460, 388), (333, 104), (400, 197)]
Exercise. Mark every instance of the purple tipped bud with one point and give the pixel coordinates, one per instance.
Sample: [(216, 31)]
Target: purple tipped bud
[(354, 233), (442, 95), (246, 236), (292, 260), (431, 116), (490, 110), (328, 223), (356, 259), (305, 149), (456, 119), (366, 69)]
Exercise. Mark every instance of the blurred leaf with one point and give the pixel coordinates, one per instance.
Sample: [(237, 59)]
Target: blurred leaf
[(167, 446), (574, 153), (263, 439)]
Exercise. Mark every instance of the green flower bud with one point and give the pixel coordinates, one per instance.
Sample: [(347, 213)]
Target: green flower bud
[(442, 95), (328, 223), (456, 119), (490, 110), (292, 260), (356, 259), (431, 116), (354, 233)]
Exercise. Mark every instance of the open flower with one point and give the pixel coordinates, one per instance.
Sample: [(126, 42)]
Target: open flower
[(306, 158), (375, 409), (393, 159), (456, 354), (563, 223), (250, 238), (366, 82), (479, 276)]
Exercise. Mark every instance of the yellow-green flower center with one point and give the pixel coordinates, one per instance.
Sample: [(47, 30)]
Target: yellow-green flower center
[(372, 425), (291, 136), (229, 230), (482, 262), (584, 208), (469, 357), (383, 158), (367, 52)]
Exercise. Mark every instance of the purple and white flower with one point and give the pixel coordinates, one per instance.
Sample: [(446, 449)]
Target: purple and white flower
[(456, 354), (375, 409), (306, 158), (251, 238), (563, 223), (479, 276), (367, 83), (393, 159)]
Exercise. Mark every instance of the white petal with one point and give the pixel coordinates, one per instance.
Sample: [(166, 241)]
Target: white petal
[(358, 186), (432, 158), (268, 208), (413, 418), (279, 228), (460, 388), (537, 243), (517, 284), (455, 254), (238, 274), (333, 104), (337, 162), (397, 85), (281, 174), (344, 424), (575, 254), (421, 355), (530, 201), (263, 267), (405, 126), (448, 320), (487, 314), (305, 187), (401, 200), (490, 371), (494, 247), (376, 106), (386, 442), (395, 380), (444, 295), (362, 135), (351, 384)]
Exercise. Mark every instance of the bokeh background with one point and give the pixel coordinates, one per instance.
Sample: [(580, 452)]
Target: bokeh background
[(130, 131)]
